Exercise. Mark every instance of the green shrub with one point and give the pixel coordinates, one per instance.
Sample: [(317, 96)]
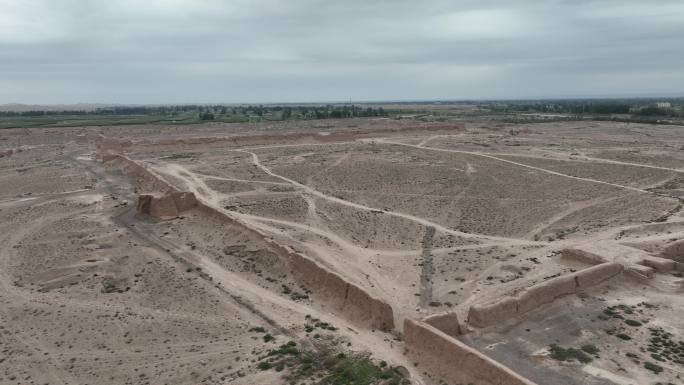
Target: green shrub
[(632, 322), (329, 367), (570, 354), (653, 367), (591, 349)]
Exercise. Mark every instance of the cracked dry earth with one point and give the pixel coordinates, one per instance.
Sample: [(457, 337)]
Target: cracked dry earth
[(430, 222)]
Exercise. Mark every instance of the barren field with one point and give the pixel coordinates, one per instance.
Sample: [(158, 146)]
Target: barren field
[(398, 250)]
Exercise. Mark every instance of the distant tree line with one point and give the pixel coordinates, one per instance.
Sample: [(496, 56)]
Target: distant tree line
[(210, 112), (123, 110), (311, 112), (639, 107)]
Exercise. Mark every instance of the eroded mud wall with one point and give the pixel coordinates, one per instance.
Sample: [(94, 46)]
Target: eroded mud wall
[(446, 323), (348, 299), (582, 256), (452, 360), (661, 265), (675, 251), (484, 315)]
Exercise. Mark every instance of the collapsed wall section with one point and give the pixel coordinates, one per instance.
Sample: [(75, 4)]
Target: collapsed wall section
[(661, 265), (451, 359), (674, 250), (640, 272), (446, 323), (484, 315), (582, 256)]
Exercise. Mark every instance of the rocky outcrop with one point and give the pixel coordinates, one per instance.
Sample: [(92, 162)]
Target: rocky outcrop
[(484, 315), (454, 361), (446, 323)]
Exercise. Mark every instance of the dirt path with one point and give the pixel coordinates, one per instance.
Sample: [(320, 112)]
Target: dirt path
[(12, 294), (579, 158), (573, 208), (413, 218), (427, 269), (337, 162), (214, 198), (520, 165), (205, 176), (271, 307)]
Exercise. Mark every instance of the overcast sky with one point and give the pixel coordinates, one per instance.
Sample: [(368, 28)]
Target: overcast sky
[(181, 51)]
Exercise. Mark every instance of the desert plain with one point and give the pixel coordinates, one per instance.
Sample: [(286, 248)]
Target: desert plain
[(471, 252)]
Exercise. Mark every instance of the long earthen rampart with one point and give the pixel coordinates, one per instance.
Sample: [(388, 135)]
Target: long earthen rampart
[(345, 297), (296, 136), (143, 177), (484, 315), (454, 361)]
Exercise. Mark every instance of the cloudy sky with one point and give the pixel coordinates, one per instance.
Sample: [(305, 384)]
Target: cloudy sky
[(181, 51)]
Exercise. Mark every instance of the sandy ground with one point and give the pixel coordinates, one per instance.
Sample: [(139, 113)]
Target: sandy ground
[(430, 221)]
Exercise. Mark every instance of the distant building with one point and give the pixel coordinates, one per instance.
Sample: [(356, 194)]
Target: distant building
[(663, 105)]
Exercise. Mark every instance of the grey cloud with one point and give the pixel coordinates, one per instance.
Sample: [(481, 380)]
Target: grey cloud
[(175, 51)]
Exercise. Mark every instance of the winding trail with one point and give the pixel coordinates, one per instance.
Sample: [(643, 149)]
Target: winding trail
[(422, 221), (573, 208), (427, 269), (206, 176), (214, 199), (579, 158), (520, 165)]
